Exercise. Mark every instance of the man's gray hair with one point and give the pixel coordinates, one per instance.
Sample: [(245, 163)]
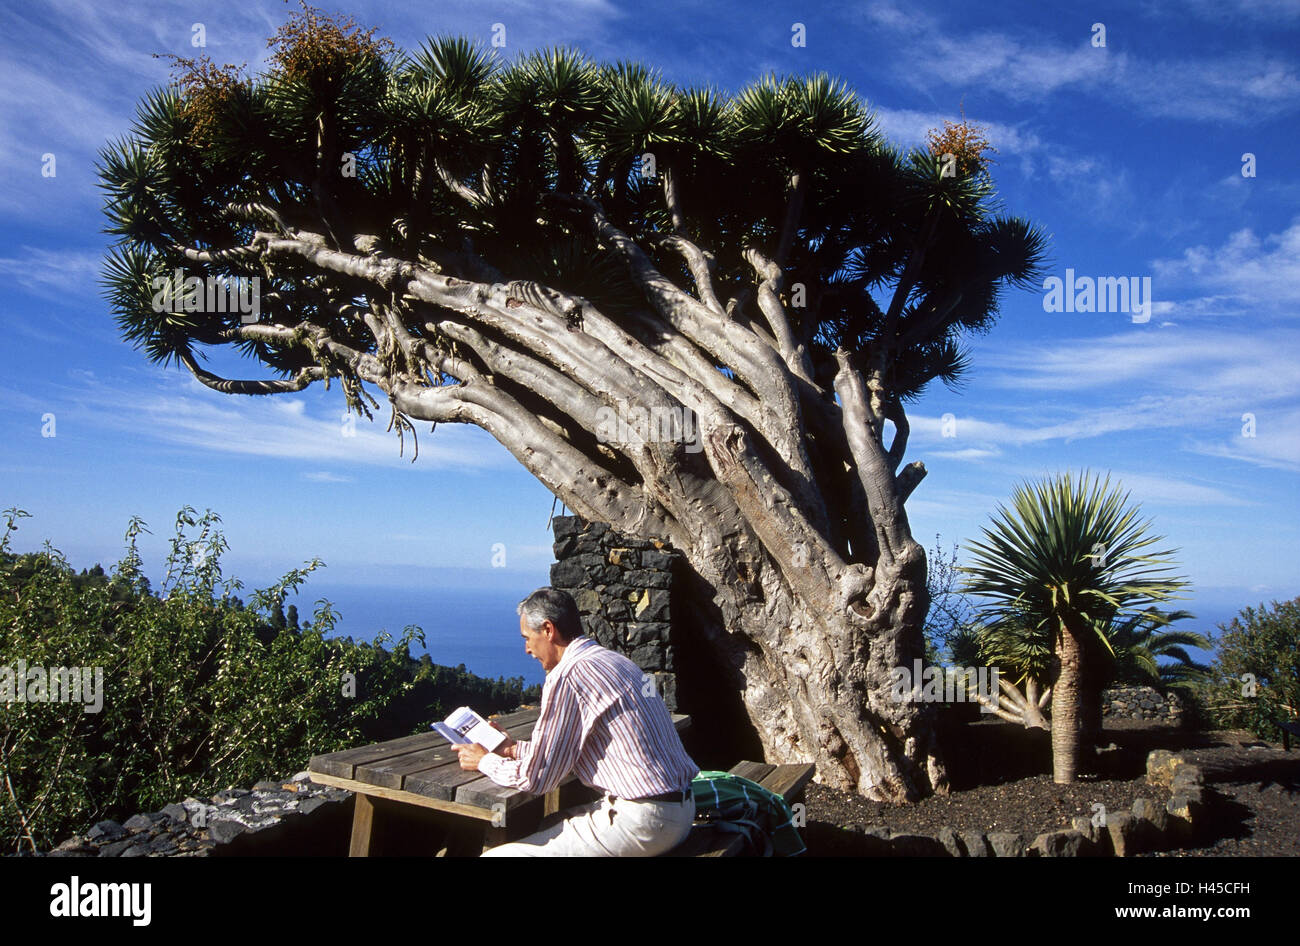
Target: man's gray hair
[(554, 605)]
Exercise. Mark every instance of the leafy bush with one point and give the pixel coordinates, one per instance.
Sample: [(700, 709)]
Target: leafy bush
[(1257, 670), (199, 691)]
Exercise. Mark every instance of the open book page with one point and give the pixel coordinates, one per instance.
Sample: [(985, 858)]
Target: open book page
[(465, 726)]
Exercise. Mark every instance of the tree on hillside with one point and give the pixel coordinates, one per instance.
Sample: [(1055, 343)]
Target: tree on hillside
[(693, 316), (1066, 562)]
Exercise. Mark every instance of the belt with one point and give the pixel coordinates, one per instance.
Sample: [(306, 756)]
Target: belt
[(678, 797)]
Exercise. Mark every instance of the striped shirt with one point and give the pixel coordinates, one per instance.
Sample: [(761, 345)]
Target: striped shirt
[(597, 722)]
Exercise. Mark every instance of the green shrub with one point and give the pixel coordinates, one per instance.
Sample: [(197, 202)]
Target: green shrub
[(1257, 670), (199, 691)]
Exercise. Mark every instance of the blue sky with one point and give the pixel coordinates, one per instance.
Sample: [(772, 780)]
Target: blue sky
[(1129, 154)]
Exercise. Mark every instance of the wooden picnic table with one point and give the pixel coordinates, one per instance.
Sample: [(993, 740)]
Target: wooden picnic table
[(424, 772)]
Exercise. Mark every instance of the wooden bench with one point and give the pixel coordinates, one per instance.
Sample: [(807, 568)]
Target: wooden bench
[(788, 781)]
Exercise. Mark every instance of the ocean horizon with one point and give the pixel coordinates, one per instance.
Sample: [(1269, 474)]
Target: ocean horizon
[(477, 627)]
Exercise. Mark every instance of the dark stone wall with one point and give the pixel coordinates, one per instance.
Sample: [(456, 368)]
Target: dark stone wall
[(623, 588), (641, 598)]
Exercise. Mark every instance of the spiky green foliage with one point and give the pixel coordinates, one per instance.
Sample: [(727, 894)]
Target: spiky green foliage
[(207, 157), (1070, 554), (1140, 641)]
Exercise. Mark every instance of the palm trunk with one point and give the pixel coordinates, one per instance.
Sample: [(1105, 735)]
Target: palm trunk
[(1065, 707)]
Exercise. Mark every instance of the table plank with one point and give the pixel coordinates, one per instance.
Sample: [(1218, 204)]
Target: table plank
[(342, 764), (390, 772), (440, 783)]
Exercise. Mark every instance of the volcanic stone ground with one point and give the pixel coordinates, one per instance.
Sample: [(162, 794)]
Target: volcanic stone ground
[(1001, 781)]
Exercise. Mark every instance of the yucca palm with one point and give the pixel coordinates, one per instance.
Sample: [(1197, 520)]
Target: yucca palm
[(1068, 560), (522, 245)]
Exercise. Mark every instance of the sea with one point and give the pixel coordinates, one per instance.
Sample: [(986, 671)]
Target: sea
[(472, 626)]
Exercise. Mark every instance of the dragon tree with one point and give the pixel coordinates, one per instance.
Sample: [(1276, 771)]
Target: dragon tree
[(528, 245)]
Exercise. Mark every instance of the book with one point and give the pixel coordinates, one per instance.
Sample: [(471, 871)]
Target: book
[(464, 726)]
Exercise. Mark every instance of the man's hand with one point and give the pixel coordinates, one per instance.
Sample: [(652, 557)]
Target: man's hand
[(470, 754), (505, 746)]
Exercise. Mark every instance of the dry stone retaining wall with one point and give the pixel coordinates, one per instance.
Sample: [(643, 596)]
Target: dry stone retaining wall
[(623, 589), (291, 817), (1141, 702)]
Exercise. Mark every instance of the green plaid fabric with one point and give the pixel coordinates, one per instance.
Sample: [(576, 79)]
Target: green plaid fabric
[(731, 803)]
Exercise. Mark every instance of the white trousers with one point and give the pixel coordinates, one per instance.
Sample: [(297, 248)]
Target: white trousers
[(623, 828)]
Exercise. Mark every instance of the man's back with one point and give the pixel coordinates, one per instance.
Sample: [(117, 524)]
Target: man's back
[(628, 738)]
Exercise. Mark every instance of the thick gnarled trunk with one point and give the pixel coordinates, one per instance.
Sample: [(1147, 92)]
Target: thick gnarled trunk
[(815, 682)]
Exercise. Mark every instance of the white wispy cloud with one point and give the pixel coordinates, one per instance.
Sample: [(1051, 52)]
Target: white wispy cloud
[(180, 412), (326, 477), (1245, 266), (1233, 88), (58, 274)]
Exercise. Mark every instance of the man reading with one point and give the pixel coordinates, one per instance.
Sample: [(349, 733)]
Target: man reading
[(597, 722)]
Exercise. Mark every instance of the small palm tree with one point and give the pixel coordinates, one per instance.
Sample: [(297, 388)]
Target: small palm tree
[(1068, 562), (1138, 643)]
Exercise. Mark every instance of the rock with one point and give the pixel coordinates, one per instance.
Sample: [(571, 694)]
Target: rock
[(649, 656), (587, 600), (138, 823), (266, 786), (1186, 809), (1084, 826), (1150, 824), (566, 526), (648, 578), (568, 574), (175, 812), (73, 843), (308, 805), (107, 830), (622, 556), (1185, 777), (1122, 829), (947, 836), (1144, 809), (136, 850), (1006, 844), (1160, 767), (659, 561), (162, 847), (1059, 844), (904, 844), (223, 832), (653, 606), (975, 844), (875, 839)]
